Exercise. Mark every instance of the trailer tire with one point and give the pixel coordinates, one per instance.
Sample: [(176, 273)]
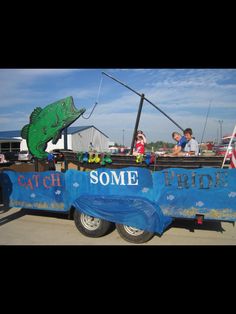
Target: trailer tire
[(91, 226), (133, 235)]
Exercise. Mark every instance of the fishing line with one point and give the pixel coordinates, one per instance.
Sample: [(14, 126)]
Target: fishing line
[(96, 102), (208, 110)]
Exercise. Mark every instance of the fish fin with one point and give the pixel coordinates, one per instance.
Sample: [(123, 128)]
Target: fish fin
[(55, 124), (24, 131), (56, 138), (34, 115)]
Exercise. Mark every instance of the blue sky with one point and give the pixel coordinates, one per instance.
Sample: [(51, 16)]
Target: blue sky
[(183, 94)]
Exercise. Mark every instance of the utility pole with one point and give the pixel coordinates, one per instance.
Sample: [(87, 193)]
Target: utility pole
[(123, 137), (220, 122)]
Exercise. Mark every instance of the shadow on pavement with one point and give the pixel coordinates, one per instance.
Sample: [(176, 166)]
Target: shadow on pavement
[(24, 211), (192, 225), (35, 212), (11, 217), (4, 208)]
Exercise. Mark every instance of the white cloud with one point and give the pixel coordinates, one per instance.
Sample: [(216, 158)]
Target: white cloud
[(16, 85), (182, 94)]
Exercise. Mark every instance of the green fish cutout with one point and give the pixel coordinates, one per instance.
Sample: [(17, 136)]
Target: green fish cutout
[(47, 124)]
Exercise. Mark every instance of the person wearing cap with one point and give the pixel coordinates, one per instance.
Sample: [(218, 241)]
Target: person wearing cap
[(51, 162)]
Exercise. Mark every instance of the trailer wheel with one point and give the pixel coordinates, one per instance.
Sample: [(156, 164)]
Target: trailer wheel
[(91, 226), (133, 235)]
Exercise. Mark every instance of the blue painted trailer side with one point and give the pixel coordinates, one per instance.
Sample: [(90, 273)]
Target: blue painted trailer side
[(133, 196), (183, 193)]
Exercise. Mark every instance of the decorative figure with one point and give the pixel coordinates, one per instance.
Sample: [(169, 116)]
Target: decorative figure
[(47, 124)]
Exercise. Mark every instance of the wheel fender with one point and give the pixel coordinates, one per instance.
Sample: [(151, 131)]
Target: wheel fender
[(138, 212)]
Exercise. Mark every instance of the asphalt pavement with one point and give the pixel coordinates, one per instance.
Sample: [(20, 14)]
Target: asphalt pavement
[(28, 227)]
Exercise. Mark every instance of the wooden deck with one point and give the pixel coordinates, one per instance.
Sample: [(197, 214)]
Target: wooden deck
[(122, 161)]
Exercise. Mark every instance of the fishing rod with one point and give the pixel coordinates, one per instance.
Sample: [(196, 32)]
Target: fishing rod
[(142, 98), (145, 98)]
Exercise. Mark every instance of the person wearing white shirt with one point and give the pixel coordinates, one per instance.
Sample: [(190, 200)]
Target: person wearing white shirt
[(192, 147)]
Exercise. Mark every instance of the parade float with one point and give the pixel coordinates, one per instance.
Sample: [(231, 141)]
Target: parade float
[(102, 190)]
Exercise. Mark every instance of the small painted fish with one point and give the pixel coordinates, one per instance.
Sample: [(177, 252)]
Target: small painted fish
[(48, 123)]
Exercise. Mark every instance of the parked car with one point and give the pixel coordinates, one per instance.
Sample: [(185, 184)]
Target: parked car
[(11, 156), (4, 163), (220, 150), (24, 155)]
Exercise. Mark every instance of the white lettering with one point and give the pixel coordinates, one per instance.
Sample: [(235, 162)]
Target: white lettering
[(94, 177), (117, 178), (107, 178), (114, 178), (132, 178)]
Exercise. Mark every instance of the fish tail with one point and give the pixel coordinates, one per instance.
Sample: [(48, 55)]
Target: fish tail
[(25, 131)]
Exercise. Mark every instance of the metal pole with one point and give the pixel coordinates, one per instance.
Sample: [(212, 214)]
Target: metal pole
[(137, 122), (36, 164), (164, 114), (145, 99), (65, 147), (122, 84), (220, 122), (65, 139)]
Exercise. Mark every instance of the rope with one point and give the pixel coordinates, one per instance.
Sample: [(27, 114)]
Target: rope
[(96, 102)]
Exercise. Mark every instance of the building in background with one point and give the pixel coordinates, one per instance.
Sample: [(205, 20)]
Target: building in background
[(10, 141), (80, 138)]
